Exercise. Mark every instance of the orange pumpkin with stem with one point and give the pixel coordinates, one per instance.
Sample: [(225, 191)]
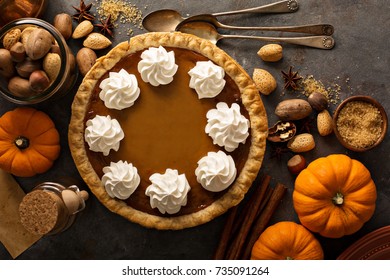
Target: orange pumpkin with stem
[(334, 196), (29, 142), (287, 241)]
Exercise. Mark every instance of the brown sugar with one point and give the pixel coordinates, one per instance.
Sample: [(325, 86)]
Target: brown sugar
[(360, 124), (309, 85), (121, 11)]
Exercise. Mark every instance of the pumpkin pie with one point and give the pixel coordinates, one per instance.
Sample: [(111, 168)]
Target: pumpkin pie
[(164, 130)]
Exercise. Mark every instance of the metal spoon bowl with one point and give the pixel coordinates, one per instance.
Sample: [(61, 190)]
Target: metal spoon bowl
[(315, 29), (162, 20), (166, 20), (208, 31)]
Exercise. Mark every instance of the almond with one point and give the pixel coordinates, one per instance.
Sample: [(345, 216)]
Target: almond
[(324, 123), (82, 30), (11, 38), (52, 65), (264, 81), (301, 143), (271, 52), (96, 41)]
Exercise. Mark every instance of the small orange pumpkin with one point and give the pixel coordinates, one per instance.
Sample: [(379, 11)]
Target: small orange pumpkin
[(29, 142), (334, 196), (287, 241)]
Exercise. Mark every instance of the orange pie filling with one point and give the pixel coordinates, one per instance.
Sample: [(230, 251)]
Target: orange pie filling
[(165, 129)]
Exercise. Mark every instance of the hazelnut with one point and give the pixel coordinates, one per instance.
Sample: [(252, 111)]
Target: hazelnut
[(55, 49), (318, 101), (296, 164), (26, 67), (18, 53), (39, 81)]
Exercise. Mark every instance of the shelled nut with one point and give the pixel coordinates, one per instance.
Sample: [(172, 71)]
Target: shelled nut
[(282, 131)]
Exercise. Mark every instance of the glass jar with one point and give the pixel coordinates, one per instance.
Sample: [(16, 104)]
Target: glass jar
[(64, 80), (15, 9), (51, 208)]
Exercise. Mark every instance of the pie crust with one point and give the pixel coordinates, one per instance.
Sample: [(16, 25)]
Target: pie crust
[(250, 98)]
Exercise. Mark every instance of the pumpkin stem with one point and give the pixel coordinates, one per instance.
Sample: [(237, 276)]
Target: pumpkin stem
[(22, 142), (338, 199), (289, 258)]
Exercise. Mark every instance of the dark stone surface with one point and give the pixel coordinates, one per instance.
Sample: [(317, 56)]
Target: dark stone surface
[(359, 63)]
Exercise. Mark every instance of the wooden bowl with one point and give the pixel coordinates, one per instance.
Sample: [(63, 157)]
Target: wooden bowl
[(372, 246), (367, 99)]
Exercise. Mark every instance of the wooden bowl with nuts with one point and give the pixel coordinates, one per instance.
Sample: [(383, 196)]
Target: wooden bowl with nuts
[(360, 123)]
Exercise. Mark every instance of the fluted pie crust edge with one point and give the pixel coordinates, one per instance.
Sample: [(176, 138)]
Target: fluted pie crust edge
[(250, 99)]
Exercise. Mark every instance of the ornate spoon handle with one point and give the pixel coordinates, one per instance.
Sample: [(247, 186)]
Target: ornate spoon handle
[(286, 6)]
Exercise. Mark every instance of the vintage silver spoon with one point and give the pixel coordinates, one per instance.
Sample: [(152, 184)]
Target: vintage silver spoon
[(166, 20), (207, 31), (315, 29)]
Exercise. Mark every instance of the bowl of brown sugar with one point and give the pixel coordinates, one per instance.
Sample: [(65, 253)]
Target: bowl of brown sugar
[(360, 123)]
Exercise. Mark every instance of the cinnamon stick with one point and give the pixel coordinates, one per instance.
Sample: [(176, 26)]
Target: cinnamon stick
[(248, 206), (226, 234), (247, 221), (264, 202), (264, 219)]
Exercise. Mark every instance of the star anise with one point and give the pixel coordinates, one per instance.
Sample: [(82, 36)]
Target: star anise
[(83, 12), (306, 125), (291, 79), (106, 26), (278, 150)]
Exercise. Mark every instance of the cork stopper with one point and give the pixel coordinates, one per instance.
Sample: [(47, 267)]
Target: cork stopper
[(41, 212)]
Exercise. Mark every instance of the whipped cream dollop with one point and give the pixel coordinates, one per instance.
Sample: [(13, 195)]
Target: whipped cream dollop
[(157, 66), (227, 126), (103, 134), (207, 79), (216, 171), (120, 90), (120, 179), (168, 191)]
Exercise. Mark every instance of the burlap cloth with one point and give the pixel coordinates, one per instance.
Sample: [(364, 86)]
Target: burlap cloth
[(12, 233)]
